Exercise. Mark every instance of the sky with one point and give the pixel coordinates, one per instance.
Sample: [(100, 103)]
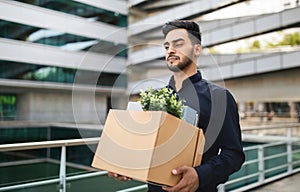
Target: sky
[(253, 7)]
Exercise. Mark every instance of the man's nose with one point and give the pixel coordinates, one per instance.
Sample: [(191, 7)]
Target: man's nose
[(171, 49)]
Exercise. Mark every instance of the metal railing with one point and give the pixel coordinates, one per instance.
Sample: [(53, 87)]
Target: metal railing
[(261, 176), (289, 157), (62, 171)]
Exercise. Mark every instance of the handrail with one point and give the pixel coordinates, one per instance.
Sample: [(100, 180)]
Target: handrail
[(274, 126), (51, 144), (260, 174), (260, 161), (51, 181), (48, 144)]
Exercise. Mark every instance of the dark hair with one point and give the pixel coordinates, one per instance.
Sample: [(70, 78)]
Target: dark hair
[(191, 27)]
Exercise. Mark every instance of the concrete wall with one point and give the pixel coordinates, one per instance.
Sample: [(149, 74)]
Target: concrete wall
[(58, 107), (279, 86)]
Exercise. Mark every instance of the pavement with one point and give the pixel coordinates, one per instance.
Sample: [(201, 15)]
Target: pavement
[(287, 184), (255, 121)]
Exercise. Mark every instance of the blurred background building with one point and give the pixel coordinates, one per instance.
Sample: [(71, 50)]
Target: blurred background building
[(65, 63), (108, 50), (248, 46), (48, 46)]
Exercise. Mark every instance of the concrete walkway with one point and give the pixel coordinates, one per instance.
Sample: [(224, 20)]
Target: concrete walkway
[(288, 184)]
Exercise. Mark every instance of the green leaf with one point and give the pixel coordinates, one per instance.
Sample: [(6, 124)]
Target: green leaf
[(163, 99)]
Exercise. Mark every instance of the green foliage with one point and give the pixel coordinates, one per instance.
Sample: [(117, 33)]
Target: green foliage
[(213, 51), (163, 99), (291, 39), (7, 100), (255, 45), (7, 106)]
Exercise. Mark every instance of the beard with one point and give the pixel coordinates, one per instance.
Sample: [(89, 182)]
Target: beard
[(186, 61)]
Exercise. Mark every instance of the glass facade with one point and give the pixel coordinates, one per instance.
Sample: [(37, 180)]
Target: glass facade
[(82, 10), (17, 31), (16, 70), (11, 30), (35, 134), (24, 71)]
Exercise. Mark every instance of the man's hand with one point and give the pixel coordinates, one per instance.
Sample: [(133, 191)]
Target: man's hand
[(189, 181), (118, 177)]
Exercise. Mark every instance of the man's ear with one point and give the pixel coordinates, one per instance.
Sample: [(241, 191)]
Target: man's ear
[(197, 49)]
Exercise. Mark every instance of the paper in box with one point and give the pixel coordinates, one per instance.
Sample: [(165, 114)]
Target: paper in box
[(147, 145)]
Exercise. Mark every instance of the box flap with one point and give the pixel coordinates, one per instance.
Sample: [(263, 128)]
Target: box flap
[(132, 127)]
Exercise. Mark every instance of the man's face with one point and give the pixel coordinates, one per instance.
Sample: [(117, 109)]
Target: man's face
[(179, 50)]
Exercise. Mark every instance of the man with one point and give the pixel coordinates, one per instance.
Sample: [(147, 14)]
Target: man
[(218, 114)]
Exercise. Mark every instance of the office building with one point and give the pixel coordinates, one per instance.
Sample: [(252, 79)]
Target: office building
[(71, 61)]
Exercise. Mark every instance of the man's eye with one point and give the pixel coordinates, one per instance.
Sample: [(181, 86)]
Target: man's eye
[(166, 47), (178, 45)]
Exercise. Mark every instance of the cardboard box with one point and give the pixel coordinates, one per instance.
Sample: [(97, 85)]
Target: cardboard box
[(147, 145)]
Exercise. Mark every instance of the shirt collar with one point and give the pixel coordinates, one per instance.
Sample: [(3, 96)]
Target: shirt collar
[(194, 79)]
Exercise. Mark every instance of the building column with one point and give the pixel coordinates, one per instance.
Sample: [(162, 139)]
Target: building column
[(260, 108), (242, 109), (293, 113)]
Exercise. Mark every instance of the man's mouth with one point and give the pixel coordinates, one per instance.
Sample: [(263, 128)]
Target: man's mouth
[(172, 58)]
